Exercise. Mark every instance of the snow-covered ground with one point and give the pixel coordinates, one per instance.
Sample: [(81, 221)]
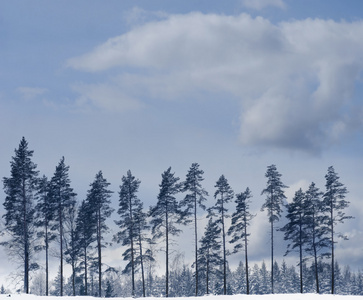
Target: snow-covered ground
[(233, 297)]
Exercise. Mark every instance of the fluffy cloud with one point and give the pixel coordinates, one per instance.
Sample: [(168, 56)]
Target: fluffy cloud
[(295, 80)]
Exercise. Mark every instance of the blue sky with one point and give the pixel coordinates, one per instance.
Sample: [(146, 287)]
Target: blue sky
[(144, 85)]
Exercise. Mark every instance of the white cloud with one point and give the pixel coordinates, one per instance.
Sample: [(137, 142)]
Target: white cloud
[(261, 4), (295, 80)]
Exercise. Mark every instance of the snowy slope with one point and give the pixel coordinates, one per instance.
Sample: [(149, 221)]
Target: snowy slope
[(233, 297)]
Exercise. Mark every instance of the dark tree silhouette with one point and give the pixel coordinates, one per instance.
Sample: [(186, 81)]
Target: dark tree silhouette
[(99, 200), (20, 189), (274, 201), (240, 222), (62, 198), (165, 215), (195, 197), (223, 194), (334, 205)]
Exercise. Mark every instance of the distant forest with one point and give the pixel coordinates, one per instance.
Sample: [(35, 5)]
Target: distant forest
[(41, 212)]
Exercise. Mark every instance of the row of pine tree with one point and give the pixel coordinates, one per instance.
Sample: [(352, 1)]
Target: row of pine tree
[(40, 211)]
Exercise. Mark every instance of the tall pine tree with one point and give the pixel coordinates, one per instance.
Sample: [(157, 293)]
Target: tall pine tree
[(63, 199), (195, 197), (223, 195), (45, 222), (274, 201), (295, 229), (132, 223), (240, 221), (334, 205), (85, 229), (165, 215), (209, 253), (20, 189), (315, 228), (99, 199)]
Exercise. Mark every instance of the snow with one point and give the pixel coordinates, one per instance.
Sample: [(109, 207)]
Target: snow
[(212, 297)]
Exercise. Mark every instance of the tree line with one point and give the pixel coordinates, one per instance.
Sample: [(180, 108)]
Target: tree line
[(40, 211)]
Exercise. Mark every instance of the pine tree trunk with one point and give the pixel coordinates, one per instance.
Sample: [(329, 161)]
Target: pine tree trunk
[(332, 249), (99, 255), (46, 262), (207, 273), (196, 244), (272, 257), (301, 268), (61, 250), (224, 254), (132, 249), (73, 277), (142, 265), (167, 255), (301, 255), (315, 257), (246, 257), (85, 272)]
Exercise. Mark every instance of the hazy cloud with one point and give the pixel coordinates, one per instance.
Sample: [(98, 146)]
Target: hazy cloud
[(106, 97), (295, 80), (29, 93), (261, 4)]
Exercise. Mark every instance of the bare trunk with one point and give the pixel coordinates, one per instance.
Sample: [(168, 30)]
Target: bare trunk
[(196, 244), (61, 249), (246, 258), (272, 257), (315, 257), (332, 249), (132, 249), (99, 255), (46, 262), (142, 265), (85, 272), (224, 253), (167, 255)]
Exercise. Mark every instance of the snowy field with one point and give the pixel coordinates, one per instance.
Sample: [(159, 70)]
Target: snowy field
[(233, 297)]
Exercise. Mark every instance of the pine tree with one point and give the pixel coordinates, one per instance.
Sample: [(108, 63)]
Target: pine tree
[(294, 229), (274, 202), (109, 290), (240, 221), (165, 215), (70, 240), (192, 200), (99, 199), (144, 255), (44, 221), (334, 204), (62, 198), (85, 229), (223, 194), (239, 279), (133, 223), (20, 189), (315, 228), (209, 252)]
